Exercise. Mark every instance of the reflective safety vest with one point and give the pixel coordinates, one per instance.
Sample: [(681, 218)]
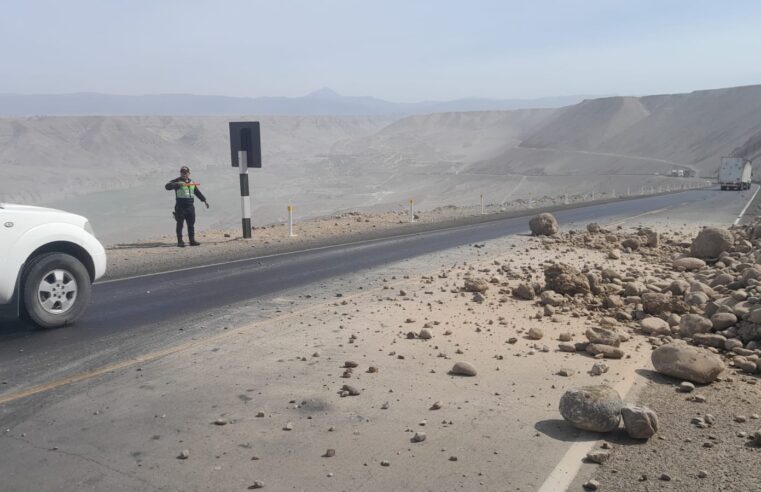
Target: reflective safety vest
[(185, 190)]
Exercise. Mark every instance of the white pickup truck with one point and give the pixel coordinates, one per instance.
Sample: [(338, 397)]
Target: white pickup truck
[(48, 262)]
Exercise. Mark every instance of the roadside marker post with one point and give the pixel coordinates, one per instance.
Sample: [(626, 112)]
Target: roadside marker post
[(290, 221), (245, 152), (482, 203), (412, 211)]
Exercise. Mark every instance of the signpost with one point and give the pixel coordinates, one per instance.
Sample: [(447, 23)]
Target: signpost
[(245, 152)]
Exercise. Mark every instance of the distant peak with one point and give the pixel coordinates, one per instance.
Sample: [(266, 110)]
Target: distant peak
[(324, 93)]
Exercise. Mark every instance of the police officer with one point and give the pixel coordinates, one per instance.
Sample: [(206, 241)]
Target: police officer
[(184, 211)]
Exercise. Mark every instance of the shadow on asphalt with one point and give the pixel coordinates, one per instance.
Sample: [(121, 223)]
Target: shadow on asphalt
[(561, 430), (17, 327)]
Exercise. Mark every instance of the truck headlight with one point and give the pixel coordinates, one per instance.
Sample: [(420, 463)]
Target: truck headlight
[(89, 229)]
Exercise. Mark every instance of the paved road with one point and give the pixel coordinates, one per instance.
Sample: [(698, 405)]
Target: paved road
[(128, 317)]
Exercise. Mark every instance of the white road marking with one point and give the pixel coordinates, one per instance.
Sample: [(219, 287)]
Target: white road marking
[(746, 206)]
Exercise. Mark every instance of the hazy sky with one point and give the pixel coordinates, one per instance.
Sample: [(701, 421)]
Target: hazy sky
[(397, 50)]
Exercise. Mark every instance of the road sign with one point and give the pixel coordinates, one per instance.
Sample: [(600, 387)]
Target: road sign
[(244, 136)]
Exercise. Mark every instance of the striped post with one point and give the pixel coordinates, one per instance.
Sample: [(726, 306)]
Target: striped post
[(245, 200), (290, 221)]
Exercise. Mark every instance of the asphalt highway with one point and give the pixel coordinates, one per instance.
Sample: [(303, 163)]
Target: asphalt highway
[(132, 315)]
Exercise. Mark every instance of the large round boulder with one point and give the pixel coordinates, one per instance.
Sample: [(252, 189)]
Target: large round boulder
[(543, 225), (565, 279), (711, 242), (592, 408), (686, 362)]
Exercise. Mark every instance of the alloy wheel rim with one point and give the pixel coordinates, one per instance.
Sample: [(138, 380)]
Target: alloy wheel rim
[(57, 291)]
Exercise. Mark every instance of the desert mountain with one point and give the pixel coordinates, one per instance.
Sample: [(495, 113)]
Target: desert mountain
[(322, 102)]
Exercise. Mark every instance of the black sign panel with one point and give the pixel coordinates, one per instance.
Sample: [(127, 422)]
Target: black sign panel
[(244, 135)]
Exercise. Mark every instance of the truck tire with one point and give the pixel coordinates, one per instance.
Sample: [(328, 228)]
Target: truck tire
[(56, 290)]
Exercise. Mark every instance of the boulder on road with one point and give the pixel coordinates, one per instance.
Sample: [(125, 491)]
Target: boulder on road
[(543, 225), (711, 242), (686, 362), (592, 408)]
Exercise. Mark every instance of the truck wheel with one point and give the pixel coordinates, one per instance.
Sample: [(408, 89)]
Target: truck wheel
[(56, 290)]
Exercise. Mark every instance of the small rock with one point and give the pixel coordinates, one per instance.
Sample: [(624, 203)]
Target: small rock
[(640, 421), (419, 437), (329, 453), (351, 390), (686, 387), (256, 485), (591, 485), (436, 405), (535, 333), (426, 334), (599, 457), (599, 368), (463, 368), (184, 454)]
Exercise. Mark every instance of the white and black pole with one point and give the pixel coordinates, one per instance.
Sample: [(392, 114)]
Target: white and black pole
[(245, 153), (245, 199)]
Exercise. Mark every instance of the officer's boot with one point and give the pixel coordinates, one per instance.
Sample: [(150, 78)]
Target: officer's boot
[(193, 241), (180, 242)]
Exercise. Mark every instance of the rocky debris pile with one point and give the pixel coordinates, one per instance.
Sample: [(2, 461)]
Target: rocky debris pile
[(704, 293)]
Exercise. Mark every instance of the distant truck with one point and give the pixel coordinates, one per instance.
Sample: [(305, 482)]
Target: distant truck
[(735, 173)]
